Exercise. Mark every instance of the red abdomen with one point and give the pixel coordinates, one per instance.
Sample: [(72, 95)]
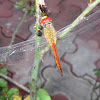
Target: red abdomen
[(58, 62)]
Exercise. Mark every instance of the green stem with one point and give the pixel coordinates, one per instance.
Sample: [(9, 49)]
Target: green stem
[(14, 82), (87, 80), (17, 28), (36, 64), (78, 19)]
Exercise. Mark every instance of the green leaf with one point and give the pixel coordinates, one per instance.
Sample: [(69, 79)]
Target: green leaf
[(97, 73), (31, 12), (20, 3), (97, 69), (3, 98), (32, 8), (3, 86), (11, 92), (3, 83), (43, 95), (3, 71), (94, 70)]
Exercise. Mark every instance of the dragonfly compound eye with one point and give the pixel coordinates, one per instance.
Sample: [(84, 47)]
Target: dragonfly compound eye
[(45, 19)]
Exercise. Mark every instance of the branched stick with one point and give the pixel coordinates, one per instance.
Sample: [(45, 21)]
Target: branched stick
[(15, 83)]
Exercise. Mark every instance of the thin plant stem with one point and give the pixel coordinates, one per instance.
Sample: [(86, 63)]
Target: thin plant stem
[(93, 90), (86, 80), (36, 64), (13, 36), (95, 87), (99, 87), (17, 28), (14, 82), (80, 18)]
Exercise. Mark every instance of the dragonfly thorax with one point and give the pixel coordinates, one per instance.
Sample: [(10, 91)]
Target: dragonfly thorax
[(47, 24)]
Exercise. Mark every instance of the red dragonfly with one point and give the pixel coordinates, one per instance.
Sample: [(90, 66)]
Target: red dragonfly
[(50, 35), (22, 54)]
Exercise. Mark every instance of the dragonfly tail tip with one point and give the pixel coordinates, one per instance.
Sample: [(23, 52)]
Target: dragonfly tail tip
[(61, 75)]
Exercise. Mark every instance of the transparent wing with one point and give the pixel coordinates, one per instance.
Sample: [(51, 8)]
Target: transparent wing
[(23, 53)]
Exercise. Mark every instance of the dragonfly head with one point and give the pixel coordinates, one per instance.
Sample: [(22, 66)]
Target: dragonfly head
[(45, 20)]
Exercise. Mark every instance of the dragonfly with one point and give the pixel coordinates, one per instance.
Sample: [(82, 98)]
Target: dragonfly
[(22, 54), (50, 35)]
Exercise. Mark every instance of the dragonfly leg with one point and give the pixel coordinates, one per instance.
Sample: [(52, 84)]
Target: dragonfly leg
[(34, 36), (44, 51), (40, 30)]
